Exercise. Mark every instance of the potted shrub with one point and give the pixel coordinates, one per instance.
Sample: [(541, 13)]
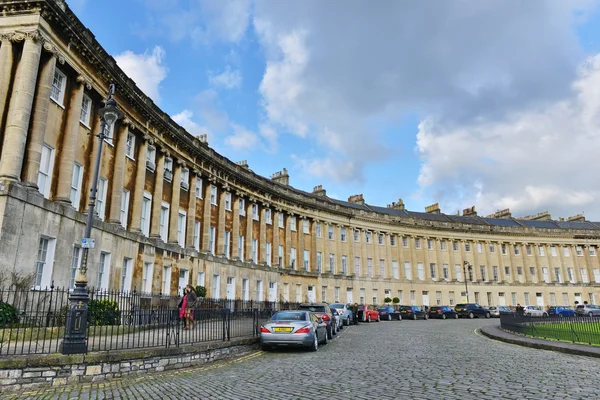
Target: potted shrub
[(387, 300)]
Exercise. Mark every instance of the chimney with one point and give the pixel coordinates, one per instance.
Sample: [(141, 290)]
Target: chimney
[(356, 199), (319, 191), (203, 138), (433, 209), (399, 205), (578, 217), (501, 214), (243, 164), (543, 216), (281, 177), (469, 212)]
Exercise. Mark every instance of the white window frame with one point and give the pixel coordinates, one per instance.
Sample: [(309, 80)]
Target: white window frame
[(241, 247), (101, 198), (76, 182), (227, 244), (343, 233), (227, 201), (254, 251), (280, 220), (75, 265), (57, 90), (124, 213), (255, 212), (109, 133), (145, 218), (103, 273), (330, 232), (86, 110), (242, 209), (319, 261), (318, 230), (213, 195), (293, 257), (293, 223), (166, 280), (305, 228), (269, 216), (268, 254), (151, 158), (306, 260), (44, 180), (197, 235), (198, 187), (212, 233), (148, 270), (130, 146), (184, 179), (168, 168), (163, 229), (181, 227), (126, 274)]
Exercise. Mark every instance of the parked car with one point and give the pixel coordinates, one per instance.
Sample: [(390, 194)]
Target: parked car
[(345, 312), (560, 311), (534, 311), (337, 319), (495, 311), (471, 310), (368, 313), (389, 313), (322, 311), (293, 328), (413, 312), (588, 310), (442, 312)]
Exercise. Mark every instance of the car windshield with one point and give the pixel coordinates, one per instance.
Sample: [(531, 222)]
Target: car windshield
[(289, 316), (313, 308), (404, 308), (338, 306)]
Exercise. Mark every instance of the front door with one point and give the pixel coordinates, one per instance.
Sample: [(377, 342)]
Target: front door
[(230, 291), (501, 300), (312, 297), (349, 295), (426, 298), (540, 300), (272, 292), (183, 280)]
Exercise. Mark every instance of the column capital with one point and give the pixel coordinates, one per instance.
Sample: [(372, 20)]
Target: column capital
[(148, 138), (240, 194), (84, 81), (19, 36), (128, 122), (266, 205), (165, 152)]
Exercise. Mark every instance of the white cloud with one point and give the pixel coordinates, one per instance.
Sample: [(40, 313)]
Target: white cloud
[(147, 70), (530, 161), (326, 167), (242, 139), (228, 79), (184, 118)]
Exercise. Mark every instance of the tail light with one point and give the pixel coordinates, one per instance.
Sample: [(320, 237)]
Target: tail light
[(408, 310), (325, 317), (439, 311), (264, 330), (306, 329)]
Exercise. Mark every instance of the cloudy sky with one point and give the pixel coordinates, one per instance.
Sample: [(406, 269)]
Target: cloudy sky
[(494, 104)]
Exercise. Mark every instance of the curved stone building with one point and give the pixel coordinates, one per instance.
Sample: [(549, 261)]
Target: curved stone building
[(172, 211)]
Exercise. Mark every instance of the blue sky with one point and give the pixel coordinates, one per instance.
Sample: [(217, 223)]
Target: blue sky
[(493, 104)]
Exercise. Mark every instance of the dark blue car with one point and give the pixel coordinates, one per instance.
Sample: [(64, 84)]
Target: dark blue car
[(388, 313), (561, 311)]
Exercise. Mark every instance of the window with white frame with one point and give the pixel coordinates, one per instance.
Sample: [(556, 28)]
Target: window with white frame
[(146, 209), (370, 267), (381, 238), (571, 275), (255, 212), (356, 235), (75, 264), (227, 246), (492, 248), (318, 230), (216, 286), (584, 275), (446, 272), (382, 268), (479, 247), (343, 234), (124, 208), (579, 251), (103, 271), (227, 201), (482, 271), (565, 297), (151, 158), (201, 280), (392, 240), (293, 257), (433, 271), (184, 179), (292, 223), (168, 169), (101, 198), (305, 228), (181, 222), (280, 220), (241, 247), (130, 145), (164, 221), (198, 187), (319, 261), (596, 272), (45, 172), (592, 251), (59, 84), (76, 181), (429, 244), (553, 251), (566, 251), (405, 241), (323, 293), (254, 251), (306, 260), (541, 250), (357, 271), (330, 234), (213, 195), (268, 253), (407, 270), (417, 243), (245, 289), (344, 265), (451, 298), (197, 235), (126, 274), (368, 236), (147, 272), (211, 239), (546, 275), (166, 280), (332, 263), (467, 246), (455, 245), (395, 272), (86, 110), (517, 249), (242, 209), (458, 272), (443, 245), (503, 248), (269, 216), (557, 275), (495, 274)]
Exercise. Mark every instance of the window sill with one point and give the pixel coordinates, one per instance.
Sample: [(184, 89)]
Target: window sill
[(130, 157), (57, 103), (109, 142), (85, 125)]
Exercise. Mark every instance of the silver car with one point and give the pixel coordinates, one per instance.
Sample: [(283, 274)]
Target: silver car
[(293, 328), (344, 311), (587, 310)]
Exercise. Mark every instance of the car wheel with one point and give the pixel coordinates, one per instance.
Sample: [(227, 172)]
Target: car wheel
[(471, 315), (528, 315), (389, 318), (369, 318), (426, 317), (378, 318), (487, 315), (544, 314), (399, 317), (334, 330), (347, 321), (325, 338), (414, 317), (329, 334), (443, 316), (315, 344), (455, 316)]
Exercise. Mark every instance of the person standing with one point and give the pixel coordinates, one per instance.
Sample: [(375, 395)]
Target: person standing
[(355, 313), (520, 310), (189, 303)]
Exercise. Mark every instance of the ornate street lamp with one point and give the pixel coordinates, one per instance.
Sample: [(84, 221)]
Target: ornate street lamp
[(469, 267), (75, 340)]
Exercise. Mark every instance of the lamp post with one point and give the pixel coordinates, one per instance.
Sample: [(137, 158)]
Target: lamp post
[(75, 340), (469, 267)]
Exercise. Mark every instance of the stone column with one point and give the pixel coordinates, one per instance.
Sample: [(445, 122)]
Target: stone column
[(206, 217), (19, 110), (6, 66), (191, 212), (300, 249), (119, 172), (176, 193), (221, 226), (262, 238), (363, 252), (140, 181), (313, 249), (389, 257), (158, 192), (287, 251), (249, 222), (39, 120), (235, 235), (276, 237), (67, 149)]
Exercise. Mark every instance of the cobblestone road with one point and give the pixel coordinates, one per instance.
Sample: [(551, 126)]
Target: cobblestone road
[(432, 359)]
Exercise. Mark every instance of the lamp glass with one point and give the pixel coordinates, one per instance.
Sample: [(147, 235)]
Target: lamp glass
[(110, 117)]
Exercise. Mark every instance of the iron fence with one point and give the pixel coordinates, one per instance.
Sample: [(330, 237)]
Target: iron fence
[(576, 329), (33, 321)]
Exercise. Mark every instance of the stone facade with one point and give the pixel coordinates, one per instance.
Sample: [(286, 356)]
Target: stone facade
[(172, 211)]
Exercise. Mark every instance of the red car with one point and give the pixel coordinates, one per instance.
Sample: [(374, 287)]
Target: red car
[(368, 313)]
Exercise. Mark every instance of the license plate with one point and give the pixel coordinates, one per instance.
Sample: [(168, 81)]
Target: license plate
[(458, 309), (282, 329)]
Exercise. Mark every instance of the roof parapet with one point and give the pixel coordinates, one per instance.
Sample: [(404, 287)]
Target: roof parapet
[(319, 191), (501, 214), (243, 164), (356, 199), (542, 216), (578, 217), (433, 209), (281, 177), (397, 205), (469, 212)]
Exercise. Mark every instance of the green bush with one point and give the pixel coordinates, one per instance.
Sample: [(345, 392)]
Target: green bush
[(200, 291), (395, 300), (103, 312), (8, 314), (387, 300)]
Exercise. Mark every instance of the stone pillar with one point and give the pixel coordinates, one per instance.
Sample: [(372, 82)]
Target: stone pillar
[(363, 252), (300, 249), (6, 66), (176, 194), (206, 217), (221, 226), (119, 172), (313, 249), (67, 149), (191, 212), (288, 240), (158, 192), (39, 120), (389, 257), (249, 222), (262, 239), (235, 235), (140, 181), (276, 237), (19, 110)]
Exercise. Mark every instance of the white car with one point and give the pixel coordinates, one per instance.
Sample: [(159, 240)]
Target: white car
[(534, 311), (344, 311)]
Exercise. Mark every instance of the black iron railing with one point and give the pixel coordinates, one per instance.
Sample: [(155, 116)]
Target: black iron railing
[(574, 329), (33, 321)]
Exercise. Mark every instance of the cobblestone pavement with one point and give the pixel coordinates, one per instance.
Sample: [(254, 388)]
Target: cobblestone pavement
[(432, 359)]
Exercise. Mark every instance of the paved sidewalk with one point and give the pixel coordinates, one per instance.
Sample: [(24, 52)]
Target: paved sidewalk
[(495, 332)]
